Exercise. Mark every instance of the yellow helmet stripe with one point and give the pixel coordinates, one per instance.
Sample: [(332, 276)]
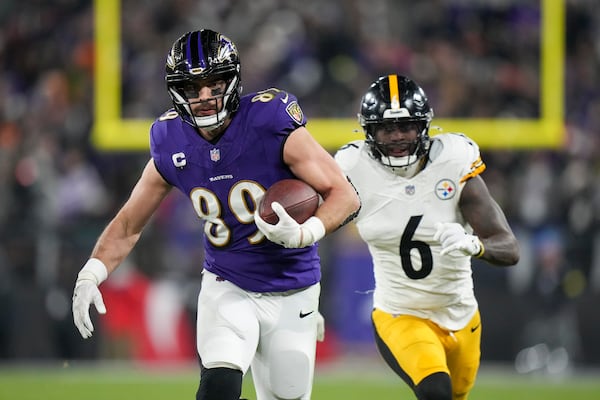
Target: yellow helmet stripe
[(394, 96)]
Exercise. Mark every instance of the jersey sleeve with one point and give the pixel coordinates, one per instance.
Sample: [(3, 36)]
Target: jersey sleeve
[(156, 137), (276, 110), (458, 148), (159, 144), (347, 155)]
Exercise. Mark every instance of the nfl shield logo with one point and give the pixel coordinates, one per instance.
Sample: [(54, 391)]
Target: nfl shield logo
[(410, 190), (215, 155)]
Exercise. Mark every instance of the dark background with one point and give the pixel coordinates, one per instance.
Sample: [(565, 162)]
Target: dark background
[(473, 58)]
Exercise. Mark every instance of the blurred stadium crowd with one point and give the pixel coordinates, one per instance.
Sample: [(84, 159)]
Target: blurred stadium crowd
[(474, 58)]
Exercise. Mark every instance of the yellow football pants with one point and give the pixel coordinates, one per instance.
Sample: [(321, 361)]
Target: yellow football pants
[(416, 348)]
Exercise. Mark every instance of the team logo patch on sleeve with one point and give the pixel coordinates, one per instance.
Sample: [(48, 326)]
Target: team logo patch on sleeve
[(445, 189), (293, 109)]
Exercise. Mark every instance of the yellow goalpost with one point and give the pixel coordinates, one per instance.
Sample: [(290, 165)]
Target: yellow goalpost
[(113, 133)]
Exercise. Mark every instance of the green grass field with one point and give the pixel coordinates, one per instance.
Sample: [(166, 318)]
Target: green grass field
[(115, 382)]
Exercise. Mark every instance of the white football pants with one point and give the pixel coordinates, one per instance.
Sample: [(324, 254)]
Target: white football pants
[(274, 334)]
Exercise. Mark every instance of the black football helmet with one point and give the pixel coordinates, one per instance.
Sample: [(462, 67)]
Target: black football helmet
[(201, 55), (395, 99)]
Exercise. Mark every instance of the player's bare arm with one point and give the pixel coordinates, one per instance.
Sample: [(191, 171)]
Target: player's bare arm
[(123, 232), (311, 163), (489, 223), (114, 244)]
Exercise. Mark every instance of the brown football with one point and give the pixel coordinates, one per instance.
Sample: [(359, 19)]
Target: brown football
[(298, 198)]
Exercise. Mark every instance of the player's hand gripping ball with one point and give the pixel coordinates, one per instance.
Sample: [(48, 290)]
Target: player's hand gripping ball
[(297, 197), (285, 215)]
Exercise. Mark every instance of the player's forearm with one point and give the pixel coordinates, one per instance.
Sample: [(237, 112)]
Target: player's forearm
[(337, 208), (501, 250), (115, 244)]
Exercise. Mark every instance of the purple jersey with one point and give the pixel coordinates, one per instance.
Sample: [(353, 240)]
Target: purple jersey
[(224, 180)]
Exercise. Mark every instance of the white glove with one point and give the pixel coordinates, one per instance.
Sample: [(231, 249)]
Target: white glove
[(453, 237), (287, 232), (86, 293), (320, 327)]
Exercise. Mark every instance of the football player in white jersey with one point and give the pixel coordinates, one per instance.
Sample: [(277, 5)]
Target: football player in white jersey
[(425, 212)]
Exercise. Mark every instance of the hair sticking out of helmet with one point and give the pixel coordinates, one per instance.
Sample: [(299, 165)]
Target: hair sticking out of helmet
[(395, 99), (204, 56)]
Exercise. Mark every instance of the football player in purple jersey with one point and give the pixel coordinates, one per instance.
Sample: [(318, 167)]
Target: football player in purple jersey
[(258, 304)]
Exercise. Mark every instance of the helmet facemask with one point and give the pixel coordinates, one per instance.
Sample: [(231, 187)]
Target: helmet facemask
[(383, 151), (199, 58), (396, 101), (181, 93)]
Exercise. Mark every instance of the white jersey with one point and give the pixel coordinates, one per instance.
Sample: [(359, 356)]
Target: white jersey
[(397, 221)]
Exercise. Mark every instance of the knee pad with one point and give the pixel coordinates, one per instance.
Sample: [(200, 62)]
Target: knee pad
[(219, 383), (435, 387), (290, 375)]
